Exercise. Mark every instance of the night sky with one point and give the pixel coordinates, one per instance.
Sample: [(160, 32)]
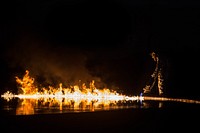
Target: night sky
[(109, 41)]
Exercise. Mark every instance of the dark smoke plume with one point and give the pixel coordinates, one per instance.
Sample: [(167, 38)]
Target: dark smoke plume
[(49, 64)]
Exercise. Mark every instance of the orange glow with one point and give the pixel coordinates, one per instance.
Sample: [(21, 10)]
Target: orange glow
[(74, 97), (27, 84), (26, 107)]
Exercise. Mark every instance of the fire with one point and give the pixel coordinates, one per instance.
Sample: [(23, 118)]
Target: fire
[(80, 97), (27, 84), (73, 98), (76, 97), (29, 89)]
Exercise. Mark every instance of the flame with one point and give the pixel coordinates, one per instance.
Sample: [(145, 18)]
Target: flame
[(27, 84), (76, 97), (30, 90), (81, 97), (73, 98)]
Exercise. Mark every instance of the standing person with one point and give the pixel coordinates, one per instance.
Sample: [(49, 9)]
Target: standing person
[(157, 76)]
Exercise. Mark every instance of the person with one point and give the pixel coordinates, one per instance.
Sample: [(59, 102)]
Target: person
[(157, 76)]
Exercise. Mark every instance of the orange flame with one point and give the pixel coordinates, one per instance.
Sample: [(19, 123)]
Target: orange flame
[(27, 84), (29, 89), (75, 97), (72, 98)]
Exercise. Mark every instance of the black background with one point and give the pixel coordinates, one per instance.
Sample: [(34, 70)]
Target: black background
[(109, 41)]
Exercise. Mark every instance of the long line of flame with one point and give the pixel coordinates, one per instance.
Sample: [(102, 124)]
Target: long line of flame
[(29, 90)]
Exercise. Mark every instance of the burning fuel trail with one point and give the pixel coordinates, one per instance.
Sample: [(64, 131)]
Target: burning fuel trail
[(79, 97), (71, 97), (30, 90)]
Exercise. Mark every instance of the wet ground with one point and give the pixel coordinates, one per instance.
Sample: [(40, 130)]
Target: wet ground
[(173, 117)]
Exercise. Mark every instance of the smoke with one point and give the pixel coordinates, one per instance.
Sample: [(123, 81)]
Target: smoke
[(49, 64)]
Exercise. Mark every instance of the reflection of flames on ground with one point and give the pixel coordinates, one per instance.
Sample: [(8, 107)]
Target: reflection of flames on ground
[(75, 98), (82, 97), (26, 106), (71, 97)]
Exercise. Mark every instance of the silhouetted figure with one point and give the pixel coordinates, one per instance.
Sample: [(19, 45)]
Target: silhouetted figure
[(157, 76)]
